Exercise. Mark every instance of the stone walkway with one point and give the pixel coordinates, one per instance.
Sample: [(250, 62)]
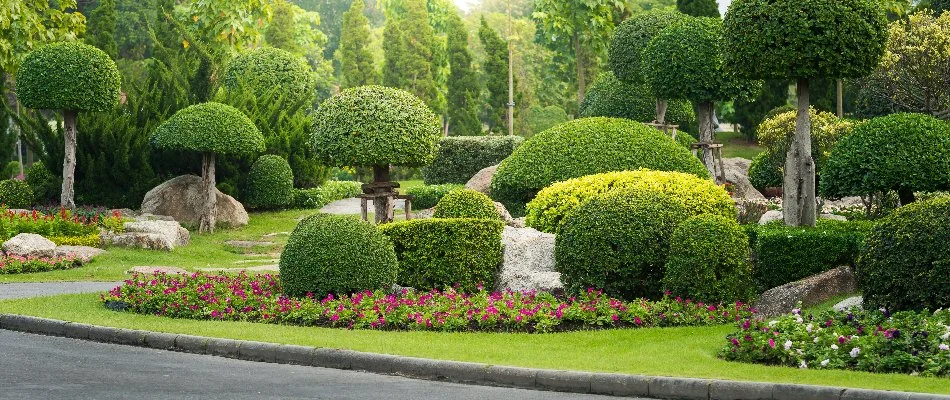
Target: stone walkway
[(352, 206), (26, 290)]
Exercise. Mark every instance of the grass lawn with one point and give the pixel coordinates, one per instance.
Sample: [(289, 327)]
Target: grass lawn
[(684, 352), (404, 185), (736, 145)]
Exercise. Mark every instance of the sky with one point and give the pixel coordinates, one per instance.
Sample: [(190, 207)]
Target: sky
[(465, 4)]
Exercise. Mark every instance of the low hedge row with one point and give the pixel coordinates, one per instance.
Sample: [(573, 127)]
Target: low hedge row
[(325, 194), (466, 203), (710, 261), (427, 196), (460, 158)]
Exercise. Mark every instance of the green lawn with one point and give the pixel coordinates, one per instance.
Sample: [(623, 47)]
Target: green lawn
[(684, 352), (736, 145)]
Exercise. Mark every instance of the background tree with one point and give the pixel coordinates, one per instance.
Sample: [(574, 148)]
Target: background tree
[(495, 68), (408, 40), (38, 22), (463, 93), (281, 33), (749, 113), (698, 8), (102, 25), (357, 65), (817, 38)]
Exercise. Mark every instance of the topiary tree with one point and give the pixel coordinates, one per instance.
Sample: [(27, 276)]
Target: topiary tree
[(803, 40), (611, 97), (466, 203), (210, 129), (266, 68), (15, 194), (900, 152), (376, 126), (698, 8), (710, 261), (72, 77), (685, 61), (270, 184)]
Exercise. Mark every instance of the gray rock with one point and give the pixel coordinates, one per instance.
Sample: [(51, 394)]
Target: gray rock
[(849, 303), (150, 270), (809, 291), (247, 244), (424, 214), (830, 205), (138, 240), (83, 253), (124, 212), (737, 173), (528, 261), (171, 230), (153, 217), (181, 199), (481, 182), (29, 245), (777, 215)]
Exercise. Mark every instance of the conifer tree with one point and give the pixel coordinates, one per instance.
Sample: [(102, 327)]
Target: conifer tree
[(408, 40), (496, 77), (355, 58), (101, 28), (463, 90), (282, 29)]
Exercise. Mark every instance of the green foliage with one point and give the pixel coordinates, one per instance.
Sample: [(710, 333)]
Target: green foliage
[(325, 194), (408, 42), (102, 25), (609, 97), (463, 92), (749, 113), (551, 207), (786, 254), (281, 33), (68, 76), (765, 171), (38, 22), (442, 253), (15, 194), (375, 125), (336, 254), (266, 68), (632, 36), (209, 127), (541, 119), (460, 158), (776, 134), (698, 8), (270, 184), (427, 196), (907, 262), (709, 261), (584, 147), (495, 68), (902, 152), (356, 61), (466, 203), (618, 242), (804, 38), (11, 170)]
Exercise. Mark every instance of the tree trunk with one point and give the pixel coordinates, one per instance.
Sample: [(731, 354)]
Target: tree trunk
[(382, 205), (798, 200), (206, 216), (581, 73), (69, 159), (706, 109), (906, 196), (661, 106)]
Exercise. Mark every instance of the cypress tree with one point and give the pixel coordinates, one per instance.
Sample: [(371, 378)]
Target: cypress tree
[(463, 90), (281, 33), (355, 58), (408, 40), (496, 77), (101, 28)]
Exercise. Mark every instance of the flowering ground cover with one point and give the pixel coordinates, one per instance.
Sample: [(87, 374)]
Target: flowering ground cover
[(12, 264)]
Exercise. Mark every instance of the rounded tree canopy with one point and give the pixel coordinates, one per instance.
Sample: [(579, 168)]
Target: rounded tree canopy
[(607, 96), (632, 36), (68, 76), (804, 38), (685, 61), (376, 125), (209, 128), (269, 68)]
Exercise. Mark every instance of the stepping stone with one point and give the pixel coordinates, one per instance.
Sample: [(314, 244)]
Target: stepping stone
[(150, 270), (273, 260), (247, 244), (262, 268), (275, 234), (83, 253)]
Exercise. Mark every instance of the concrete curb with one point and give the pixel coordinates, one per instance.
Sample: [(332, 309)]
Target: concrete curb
[(453, 371)]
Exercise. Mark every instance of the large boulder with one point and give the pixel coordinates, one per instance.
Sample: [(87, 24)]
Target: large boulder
[(83, 253), (149, 233), (180, 198), (810, 291), (481, 182), (528, 261), (737, 173), (29, 245)]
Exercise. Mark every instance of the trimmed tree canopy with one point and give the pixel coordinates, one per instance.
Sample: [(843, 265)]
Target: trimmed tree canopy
[(632, 36), (266, 68), (804, 38), (609, 97), (68, 76), (209, 127), (376, 125)]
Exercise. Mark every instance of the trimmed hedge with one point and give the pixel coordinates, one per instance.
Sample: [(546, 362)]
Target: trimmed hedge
[(460, 158), (548, 210), (266, 68), (337, 254), (710, 261), (68, 76), (209, 127), (786, 254), (584, 147), (632, 36), (442, 253), (618, 242), (466, 203), (765, 172), (325, 194), (45, 185), (906, 265), (428, 196), (610, 97), (270, 183), (15, 194)]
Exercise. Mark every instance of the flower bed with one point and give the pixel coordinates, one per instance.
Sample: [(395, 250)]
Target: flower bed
[(62, 227), (873, 341), (258, 299), (22, 265)]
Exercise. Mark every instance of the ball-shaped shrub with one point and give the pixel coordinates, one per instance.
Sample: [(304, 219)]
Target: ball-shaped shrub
[(906, 264), (44, 184), (336, 254), (466, 203), (427, 196), (583, 147), (266, 68), (68, 76), (632, 36), (902, 152), (375, 125), (15, 194), (270, 183), (549, 209), (459, 158), (618, 242), (710, 261), (611, 97), (209, 128), (765, 171)]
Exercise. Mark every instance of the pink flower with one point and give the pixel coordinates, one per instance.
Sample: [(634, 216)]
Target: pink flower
[(772, 343)]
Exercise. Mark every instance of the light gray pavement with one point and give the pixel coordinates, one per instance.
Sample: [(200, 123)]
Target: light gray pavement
[(24, 290), (352, 206)]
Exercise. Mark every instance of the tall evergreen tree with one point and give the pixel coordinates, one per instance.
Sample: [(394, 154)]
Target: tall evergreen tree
[(355, 58), (463, 93), (282, 30), (408, 40), (101, 28), (496, 77), (699, 8)]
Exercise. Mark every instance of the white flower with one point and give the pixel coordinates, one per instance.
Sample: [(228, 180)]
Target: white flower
[(855, 337), (816, 339), (796, 311), (945, 336), (882, 309), (799, 319), (799, 351), (788, 345), (834, 347), (772, 323), (809, 328), (855, 351), (825, 362), (803, 365), (944, 346)]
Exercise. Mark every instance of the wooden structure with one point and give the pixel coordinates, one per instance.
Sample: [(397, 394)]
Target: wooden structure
[(669, 130), (718, 167), (383, 190)]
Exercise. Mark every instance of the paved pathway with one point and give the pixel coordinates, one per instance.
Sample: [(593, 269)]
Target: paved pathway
[(352, 206), (23, 290)]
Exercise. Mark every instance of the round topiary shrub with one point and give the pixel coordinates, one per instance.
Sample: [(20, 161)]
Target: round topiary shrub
[(776, 134), (266, 68), (336, 254), (611, 97), (68, 76), (270, 183), (466, 203), (549, 209), (906, 263), (44, 184), (618, 242), (15, 194), (632, 36), (765, 172), (583, 147), (710, 261)]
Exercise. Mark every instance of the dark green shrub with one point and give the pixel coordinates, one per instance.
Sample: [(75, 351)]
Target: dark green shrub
[(439, 253), (585, 147), (425, 197), (270, 183), (541, 119), (765, 172), (632, 36), (68, 76), (267, 68), (15, 194), (786, 254), (11, 170), (325, 194), (618, 242), (611, 97), (709, 261), (460, 158), (466, 203), (906, 265), (336, 254)]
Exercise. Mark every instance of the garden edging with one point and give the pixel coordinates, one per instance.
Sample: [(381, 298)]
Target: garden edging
[(454, 371)]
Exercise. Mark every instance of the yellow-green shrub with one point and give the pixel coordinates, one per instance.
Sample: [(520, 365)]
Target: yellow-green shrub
[(91, 240)]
